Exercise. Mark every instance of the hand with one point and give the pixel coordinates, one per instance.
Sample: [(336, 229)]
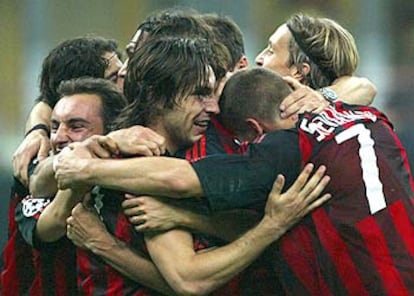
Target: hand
[(36, 142), (86, 230), (138, 140), (284, 210), (302, 99), (70, 166), (98, 146), (150, 213)]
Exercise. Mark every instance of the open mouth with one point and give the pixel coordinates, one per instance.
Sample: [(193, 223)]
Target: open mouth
[(202, 123)]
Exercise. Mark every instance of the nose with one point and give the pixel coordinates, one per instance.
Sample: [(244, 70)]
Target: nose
[(60, 138), (211, 105), (121, 75), (259, 59)]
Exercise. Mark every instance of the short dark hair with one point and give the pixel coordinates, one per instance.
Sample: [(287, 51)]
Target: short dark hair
[(73, 58), (161, 71), (255, 93), (113, 101), (228, 33), (186, 22)]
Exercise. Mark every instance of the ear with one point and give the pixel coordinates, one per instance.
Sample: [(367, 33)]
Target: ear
[(300, 73), (242, 63), (255, 126)]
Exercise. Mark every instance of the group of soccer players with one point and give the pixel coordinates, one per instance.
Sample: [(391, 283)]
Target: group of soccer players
[(196, 179)]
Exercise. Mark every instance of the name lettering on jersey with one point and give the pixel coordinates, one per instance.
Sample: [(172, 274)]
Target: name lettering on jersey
[(323, 125)]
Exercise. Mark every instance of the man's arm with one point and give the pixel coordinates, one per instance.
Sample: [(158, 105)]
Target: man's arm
[(156, 214), (162, 176), (42, 180), (349, 89), (51, 224), (88, 232), (354, 90), (35, 143), (200, 273)]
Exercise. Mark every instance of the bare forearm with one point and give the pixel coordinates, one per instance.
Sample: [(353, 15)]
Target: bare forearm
[(42, 181), (118, 255), (162, 176), (51, 225), (40, 113), (355, 90), (201, 273)]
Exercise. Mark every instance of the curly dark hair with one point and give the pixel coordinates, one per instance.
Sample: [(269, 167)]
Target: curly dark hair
[(73, 58)]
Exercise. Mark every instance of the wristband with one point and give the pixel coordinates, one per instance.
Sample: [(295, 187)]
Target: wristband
[(37, 127)]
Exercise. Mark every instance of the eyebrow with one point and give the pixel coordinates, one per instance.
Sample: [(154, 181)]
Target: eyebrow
[(72, 120), (203, 91)]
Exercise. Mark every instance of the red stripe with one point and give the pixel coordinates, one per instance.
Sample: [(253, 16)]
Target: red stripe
[(338, 252), (203, 146), (61, 285), (115, 281), (84, 266), (9, 277), (377, 246), (297, 248), (194, 156), (188, 154), (404, 156), (403, 225)]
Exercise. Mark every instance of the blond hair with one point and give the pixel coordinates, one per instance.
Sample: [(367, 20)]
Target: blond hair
[(325, 45)]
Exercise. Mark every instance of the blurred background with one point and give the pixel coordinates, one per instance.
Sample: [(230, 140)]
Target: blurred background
[(29, 29)]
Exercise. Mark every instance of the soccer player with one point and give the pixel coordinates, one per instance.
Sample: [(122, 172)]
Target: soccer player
[(83, 56)]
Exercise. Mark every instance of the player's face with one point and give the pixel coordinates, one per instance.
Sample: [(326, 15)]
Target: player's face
[(114, 64), (75, 118), (188, 121), (276, 55)]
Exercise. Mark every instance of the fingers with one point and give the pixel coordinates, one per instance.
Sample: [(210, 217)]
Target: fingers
[(131, 201), (318, 202), (313, 187), (302, 99), (302, 178), (293, 83), (44, 149), (278, 185), (108, 144), (94, 146)]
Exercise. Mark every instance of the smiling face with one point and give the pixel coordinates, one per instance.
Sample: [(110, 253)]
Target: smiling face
[(75, 118), (188, 120)]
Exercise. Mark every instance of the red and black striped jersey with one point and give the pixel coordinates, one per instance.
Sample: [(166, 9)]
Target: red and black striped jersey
[(17, 272), (362, 241), (54, 263)]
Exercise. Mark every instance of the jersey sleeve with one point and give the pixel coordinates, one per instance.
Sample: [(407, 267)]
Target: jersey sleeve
[(241, 181)]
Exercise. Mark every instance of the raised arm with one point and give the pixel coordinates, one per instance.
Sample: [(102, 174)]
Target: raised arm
[(348, 89), (36, 142), (51, 224), (354, 90)]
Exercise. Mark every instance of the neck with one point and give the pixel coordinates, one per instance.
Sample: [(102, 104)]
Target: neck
[(159, 129)]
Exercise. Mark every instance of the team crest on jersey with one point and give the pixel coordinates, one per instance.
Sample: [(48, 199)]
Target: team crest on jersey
[(33, 206)]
